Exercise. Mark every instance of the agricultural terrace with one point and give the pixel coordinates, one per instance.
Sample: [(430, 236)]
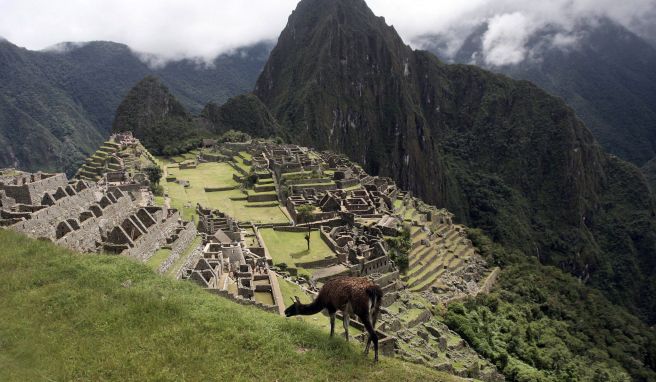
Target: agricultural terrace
[(186, 187)]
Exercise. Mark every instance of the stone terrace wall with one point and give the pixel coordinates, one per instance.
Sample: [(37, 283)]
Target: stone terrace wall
[(154, 239), (91, 230), (31, 193), (43, 222), (185, 237)]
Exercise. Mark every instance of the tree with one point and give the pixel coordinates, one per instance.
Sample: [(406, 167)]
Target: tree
[(304, 213), (154, 173), (400, 247)]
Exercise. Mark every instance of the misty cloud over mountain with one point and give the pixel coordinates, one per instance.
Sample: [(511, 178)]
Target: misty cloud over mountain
[(202, 29)]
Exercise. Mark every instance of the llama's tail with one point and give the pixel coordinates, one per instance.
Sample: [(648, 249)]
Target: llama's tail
[(375, 294)]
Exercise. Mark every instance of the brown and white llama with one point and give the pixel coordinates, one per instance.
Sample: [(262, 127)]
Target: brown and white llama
[(357, 295)]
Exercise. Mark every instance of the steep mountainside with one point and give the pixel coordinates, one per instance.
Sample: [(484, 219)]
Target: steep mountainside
[(57, 106), (503, 154), (156, 117), (165, 127), (607, 77), (243, 113)]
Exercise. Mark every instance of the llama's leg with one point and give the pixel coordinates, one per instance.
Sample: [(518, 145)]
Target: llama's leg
[(347, 317), (373, 337), (373, 316), (332, 323)]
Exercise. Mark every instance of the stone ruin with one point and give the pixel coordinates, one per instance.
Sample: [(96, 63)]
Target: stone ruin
[(118, 162), (364, 252), (84, 216), (229, 268)]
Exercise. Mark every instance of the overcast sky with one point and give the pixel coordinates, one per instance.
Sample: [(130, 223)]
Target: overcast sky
[(203, 29)]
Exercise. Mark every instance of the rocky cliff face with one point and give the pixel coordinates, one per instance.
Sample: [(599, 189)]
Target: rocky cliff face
[(503, 154)]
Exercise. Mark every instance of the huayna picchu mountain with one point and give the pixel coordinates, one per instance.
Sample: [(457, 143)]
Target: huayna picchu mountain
[(156, 117), (502, 154), (165, 127)]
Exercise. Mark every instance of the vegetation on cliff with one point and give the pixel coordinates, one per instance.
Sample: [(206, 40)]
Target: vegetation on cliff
[(541, 324), (501, 154), (160, 122)]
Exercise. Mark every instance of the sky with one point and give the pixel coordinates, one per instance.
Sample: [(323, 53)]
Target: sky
[(203, 29)]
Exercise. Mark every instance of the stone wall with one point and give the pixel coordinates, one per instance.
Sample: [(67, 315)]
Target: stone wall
[(27, 191), (155, 238), (185, 237), (43, 222)]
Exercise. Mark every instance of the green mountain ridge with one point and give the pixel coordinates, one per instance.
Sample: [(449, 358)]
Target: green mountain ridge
[(60, 103), (502, 154), (607, 77)]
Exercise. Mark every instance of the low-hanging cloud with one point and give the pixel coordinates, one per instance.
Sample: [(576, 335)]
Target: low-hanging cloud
[(512, 23), (163, 30)]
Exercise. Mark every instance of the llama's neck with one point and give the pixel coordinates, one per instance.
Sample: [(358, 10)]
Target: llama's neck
[(313, 308)]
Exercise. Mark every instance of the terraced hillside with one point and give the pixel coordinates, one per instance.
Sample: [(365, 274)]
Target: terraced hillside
[(114, 156), (438, 248), (214, 185)]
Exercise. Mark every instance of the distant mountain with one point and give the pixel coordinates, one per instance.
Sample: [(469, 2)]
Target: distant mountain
[(607, 77), (503, 155), (58, 105), (165, 127)]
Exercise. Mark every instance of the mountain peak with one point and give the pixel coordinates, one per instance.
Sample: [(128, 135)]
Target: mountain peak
[(503, 155)]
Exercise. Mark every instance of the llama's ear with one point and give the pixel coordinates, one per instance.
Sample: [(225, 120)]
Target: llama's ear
[(298, 300), (293, 302)]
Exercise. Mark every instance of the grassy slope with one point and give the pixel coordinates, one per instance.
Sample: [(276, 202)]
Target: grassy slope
[(70, 316)]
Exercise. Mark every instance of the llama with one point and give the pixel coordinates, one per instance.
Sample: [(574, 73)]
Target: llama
[(357, 295)]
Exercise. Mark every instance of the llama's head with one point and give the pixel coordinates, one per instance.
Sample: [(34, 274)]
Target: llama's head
[(294, 308)]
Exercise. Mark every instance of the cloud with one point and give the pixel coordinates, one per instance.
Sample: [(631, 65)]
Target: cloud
[(511, 24), (163, 30), (159, 29), (504, 43)]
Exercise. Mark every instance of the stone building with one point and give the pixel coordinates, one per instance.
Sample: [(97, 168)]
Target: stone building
[(84, 216)]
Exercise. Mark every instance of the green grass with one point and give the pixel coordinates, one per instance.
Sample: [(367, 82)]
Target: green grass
[(246, 155), (240, 163), (213, 175), (291, 247), (207, 175), (158, 258), (68, 316)]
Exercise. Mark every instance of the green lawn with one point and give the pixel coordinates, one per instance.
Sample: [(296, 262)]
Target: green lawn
[(291, 247), (158, 200), (207, 175), (241, 164), (68, 316), (213, 175), (158, 258)]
